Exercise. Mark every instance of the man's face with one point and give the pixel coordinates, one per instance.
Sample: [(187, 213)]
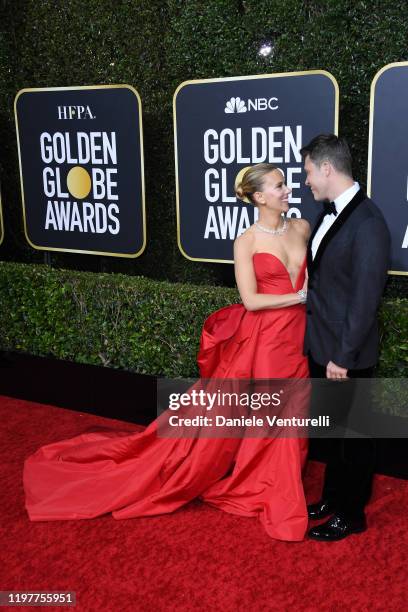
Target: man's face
[(316, 179)]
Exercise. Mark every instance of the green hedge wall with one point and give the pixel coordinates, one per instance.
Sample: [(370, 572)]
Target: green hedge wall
[(158, 44), (112, 320), (134, 323)]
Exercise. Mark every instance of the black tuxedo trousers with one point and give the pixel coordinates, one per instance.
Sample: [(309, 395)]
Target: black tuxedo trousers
[(350, 461)]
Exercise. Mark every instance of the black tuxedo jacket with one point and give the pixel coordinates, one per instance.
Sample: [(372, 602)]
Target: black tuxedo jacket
[(346, 282)]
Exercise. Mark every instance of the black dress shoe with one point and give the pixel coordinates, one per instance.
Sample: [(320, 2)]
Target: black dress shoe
[(337, 528), (320, 510)]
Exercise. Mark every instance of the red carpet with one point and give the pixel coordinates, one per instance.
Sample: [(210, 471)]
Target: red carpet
[(196, 559)]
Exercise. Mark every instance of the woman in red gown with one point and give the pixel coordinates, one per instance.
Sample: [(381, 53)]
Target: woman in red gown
[(143, 474)]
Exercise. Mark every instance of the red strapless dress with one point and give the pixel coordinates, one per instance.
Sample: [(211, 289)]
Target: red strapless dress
[(142, 474)]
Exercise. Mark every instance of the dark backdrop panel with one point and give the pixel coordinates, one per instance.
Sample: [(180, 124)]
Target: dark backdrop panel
[(74, 124), (225, 125), (389, 154)]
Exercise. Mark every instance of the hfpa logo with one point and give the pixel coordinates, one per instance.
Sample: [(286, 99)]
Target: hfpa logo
[(236, 105)]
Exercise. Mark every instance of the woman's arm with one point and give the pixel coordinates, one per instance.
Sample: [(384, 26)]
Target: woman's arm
[(247, 286)]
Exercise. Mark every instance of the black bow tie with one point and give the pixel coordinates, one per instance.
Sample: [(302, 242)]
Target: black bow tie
[(330, 208)]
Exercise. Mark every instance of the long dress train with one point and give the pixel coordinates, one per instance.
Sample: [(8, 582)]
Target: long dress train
[(143, 474)]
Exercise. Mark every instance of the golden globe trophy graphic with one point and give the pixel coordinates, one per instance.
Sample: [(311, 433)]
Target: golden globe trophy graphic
[(79, 182), (81, 168)]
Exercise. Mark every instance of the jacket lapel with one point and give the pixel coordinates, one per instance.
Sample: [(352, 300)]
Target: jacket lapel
[(339, 222), (309, 244)]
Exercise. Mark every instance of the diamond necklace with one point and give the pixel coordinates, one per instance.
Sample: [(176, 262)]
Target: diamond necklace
[(279, 231)]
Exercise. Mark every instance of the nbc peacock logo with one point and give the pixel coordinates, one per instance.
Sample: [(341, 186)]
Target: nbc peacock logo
[(235, 105)]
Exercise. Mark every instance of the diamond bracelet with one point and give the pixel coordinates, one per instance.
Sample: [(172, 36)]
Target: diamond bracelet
[(303, 296)]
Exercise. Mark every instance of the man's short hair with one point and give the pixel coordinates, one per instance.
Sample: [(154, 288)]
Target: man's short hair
[(328, 147)]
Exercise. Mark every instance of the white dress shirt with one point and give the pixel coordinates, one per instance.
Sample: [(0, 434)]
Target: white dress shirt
[(340, 203)]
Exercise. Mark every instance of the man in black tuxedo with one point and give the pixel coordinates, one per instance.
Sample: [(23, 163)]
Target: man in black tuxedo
[(348, 256)]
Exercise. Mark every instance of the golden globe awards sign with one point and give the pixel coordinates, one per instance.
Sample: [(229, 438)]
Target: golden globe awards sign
[(81, 168), (388, 153), (222, 125)]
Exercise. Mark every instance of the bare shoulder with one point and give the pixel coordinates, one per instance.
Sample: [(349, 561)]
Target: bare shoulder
[(245, 242), (302, 226)]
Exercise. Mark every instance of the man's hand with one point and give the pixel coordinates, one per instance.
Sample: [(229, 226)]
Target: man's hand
[(335, 372)]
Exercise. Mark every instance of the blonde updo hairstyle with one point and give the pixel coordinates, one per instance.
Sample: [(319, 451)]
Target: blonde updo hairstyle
[(250, 180)]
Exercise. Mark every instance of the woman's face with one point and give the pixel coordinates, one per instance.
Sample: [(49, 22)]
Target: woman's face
[(274, 194)]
